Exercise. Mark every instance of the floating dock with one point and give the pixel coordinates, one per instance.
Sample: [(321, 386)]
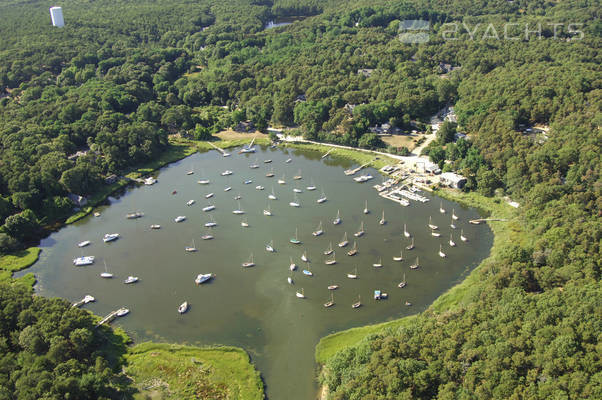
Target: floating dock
[(217, 148), (87, 299), (354, 170)]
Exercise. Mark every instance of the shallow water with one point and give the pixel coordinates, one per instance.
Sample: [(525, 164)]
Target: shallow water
[(256, 308)]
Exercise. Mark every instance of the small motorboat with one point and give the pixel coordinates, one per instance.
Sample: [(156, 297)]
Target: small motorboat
[(288, 160), (155, 226), (333, 287), (248, 181), (109, 237), (207, 236), (209, 195), (227, 189), (208, 208), (84, 260), (202, 278), (134, 215), (190, 202), (97, 214), (180, 218), (131, 279), (307, 272), (244, 223), (183, 307), (202, 182), (237, 197), (259, 187), (122, 311), (267, 161), (227, 172), (84, 243)]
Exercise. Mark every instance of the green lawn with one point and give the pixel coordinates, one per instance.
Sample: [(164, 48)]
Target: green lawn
[(16, 262), (360, 157), (165, 371), (456, 296)]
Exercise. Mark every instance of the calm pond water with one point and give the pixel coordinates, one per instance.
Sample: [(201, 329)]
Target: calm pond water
[(256, 308)]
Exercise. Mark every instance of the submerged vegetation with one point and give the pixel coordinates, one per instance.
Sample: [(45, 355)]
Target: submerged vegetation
[(103, 95)]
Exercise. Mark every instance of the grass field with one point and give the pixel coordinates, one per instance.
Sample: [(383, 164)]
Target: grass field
[(360, 157), (401, 140), (456, 296), (165, 371), (16, 262)]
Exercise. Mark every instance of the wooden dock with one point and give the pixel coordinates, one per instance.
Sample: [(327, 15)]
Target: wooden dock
[(87, 299), (327, 153), (109, 318), (217, 148), (481, 220), (354, 170)]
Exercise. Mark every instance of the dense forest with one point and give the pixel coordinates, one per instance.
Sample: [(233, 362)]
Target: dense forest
[(104, 93), (49, 350)]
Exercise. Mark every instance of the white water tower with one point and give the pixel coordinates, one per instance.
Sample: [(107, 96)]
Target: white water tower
[(56, 13)]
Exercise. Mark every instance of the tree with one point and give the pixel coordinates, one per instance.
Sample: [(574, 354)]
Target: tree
[(370, 141), (23, 226), (447, 132)]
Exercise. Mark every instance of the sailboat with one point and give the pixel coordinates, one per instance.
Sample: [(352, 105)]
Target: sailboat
[(298, 176), (366, 211), (462, 237), (451, 241), (400, 257), (329, 250), (318, 231), (403, 283), (271, 173), (344, 242), (454, 216), (331, 261), (441, 253), (304, 256), (411, 245), (295, 202), (254, 165), (270, 247), (106, 274), (311, 185), (288, 160), (295, 240), (289, 280), (435, 234), (249, 263), (337, 220), (191, 248), (353, 251), (238, 211), (379, 263), (451, 224), (333, 287), (331, 302), (441, 209), (360, 232), (211, 223), (282, 181), (208, 208), (268, 211), (207, 236), (183, 307), (292, 266), (416, 265), (244, 223), (430, 225), (358, 303), (307, 271), (272, 196), (297, 189), (190, 172), (227, 188), (301, 294), (405, 231), (322, 198), (382, 219), (354, 275)]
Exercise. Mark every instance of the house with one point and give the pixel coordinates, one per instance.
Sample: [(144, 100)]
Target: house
[(301, 98), (109, 180), (365, 71), (453, 180), (245, 126), (78, 200)]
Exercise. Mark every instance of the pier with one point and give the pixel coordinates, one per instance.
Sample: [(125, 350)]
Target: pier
[(218, 148), (354, 170), (109, 318), (87, 299), (327, 153), (481, 220)]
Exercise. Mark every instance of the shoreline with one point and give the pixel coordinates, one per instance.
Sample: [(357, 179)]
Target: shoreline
[(354, 335)]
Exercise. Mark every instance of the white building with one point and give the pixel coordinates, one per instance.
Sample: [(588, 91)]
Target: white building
[(453, 180), (56, 13)]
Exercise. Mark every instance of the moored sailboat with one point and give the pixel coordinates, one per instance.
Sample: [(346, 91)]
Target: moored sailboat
[(183, 307), (415, 265), (378, 264), (366, 211), (462, 237), (358, 303), (191, 248), (361, 231), (411, 245), (295, 239), (249, 263), (319, 231), (430, 224), (400, 257), (270, 247), (292, 265), (354, 275), (332, 261), (441, 253), (329, 250), (403, 283), (382, 221), (301, 294), (330, 303), (451, 240), (344, 242), (337, 220), (353, 251), (405, 231), (322, 198)]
